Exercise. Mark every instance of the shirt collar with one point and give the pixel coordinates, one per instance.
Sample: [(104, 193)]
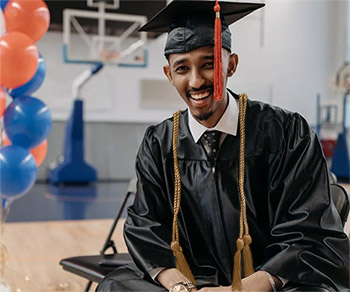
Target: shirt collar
[(227, 123)]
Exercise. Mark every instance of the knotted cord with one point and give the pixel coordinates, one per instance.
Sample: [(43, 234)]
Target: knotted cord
[(244, 240)]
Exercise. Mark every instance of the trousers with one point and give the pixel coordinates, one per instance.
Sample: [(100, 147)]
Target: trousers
[(129, 278)]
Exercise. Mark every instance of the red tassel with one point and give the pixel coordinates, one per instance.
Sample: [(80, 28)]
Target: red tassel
[(218, 84)]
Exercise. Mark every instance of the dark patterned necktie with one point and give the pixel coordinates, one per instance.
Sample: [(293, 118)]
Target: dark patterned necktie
[(212, 139)]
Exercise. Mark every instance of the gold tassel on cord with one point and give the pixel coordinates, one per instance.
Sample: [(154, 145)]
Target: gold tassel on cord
[(237, 266), (247, 256), (181, 263)]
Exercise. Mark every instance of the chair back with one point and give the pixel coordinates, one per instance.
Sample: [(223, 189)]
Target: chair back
[(341, 201)]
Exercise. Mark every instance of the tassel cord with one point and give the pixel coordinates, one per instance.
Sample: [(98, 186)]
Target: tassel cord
[(218, 79)]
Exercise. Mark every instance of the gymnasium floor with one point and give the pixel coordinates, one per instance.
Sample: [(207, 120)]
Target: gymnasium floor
[(51, 223)]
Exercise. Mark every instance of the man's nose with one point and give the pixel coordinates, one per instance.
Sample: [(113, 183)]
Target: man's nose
[(196, 79)]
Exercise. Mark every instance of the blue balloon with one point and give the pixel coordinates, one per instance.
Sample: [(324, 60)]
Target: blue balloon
[(3, 4), (33, 84), (17, 171), (4, 203), (27, 121)]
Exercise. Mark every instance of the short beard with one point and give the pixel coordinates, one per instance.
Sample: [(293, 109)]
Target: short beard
[(204, 116)]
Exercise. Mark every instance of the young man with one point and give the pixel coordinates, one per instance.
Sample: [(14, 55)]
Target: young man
[(228, 188)]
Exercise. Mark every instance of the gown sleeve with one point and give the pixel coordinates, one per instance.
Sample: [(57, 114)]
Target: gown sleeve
[(147, 230), (308, 245)]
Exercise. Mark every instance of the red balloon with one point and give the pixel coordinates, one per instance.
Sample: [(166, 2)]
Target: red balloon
[(39, 152), (31, 17), (2, 102), (18, 58)]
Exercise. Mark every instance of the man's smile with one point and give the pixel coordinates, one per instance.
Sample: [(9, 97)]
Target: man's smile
[(200, 97)]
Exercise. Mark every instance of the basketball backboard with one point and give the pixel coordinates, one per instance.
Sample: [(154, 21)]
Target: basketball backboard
[(99, 36)]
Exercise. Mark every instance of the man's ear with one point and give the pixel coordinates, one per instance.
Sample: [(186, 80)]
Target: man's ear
[(167, 72), (232, 65)]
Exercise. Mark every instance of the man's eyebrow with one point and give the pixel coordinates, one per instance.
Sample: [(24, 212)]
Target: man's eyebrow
[(208, 57), (183, 60)]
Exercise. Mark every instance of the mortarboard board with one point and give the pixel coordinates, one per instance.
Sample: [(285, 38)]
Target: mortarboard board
[(230, 11)]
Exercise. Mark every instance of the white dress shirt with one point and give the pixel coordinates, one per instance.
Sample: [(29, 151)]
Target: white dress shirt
[(227, 124)]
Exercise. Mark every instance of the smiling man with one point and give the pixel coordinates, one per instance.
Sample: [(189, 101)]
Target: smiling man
[(233, 194)]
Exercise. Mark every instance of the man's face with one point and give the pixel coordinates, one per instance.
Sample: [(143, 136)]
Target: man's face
[(192, 74)]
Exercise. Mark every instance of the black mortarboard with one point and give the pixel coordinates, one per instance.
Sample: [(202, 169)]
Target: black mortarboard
[(190, 23)]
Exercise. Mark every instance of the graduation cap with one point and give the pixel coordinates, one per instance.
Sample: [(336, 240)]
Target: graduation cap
[(192, 24)]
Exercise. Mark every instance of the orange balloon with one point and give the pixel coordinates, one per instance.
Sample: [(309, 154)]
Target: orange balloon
[(7, 142), (31, 17), (39, 152), (18, 58), (2, 102)]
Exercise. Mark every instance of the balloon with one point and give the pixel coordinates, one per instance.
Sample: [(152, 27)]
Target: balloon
[(7, 201), (39, 152), (33, 84), (2, 23), (2, 102), (27, 121), (17, 171), (7, 142), (3, 4), (4, 203), (31, 17), (18, 59)]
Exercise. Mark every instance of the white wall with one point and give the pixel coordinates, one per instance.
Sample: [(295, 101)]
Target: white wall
[(302, 48), (291, 67)]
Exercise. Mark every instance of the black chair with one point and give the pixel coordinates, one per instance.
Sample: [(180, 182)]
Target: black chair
[(95, 267), (341, 201)]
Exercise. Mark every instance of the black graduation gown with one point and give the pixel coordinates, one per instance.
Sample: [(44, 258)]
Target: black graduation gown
[(297, 233)]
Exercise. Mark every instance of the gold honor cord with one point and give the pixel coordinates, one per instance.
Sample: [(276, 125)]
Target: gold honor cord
[(181, 263), (244, 239)]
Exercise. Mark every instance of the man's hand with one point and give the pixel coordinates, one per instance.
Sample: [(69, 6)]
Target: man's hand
[(256, 282), (170, 277)]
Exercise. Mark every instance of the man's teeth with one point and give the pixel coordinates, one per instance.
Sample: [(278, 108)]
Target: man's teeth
[(199, 96)]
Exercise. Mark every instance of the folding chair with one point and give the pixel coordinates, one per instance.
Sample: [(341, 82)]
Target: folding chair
[(341, 200), (95, 267)]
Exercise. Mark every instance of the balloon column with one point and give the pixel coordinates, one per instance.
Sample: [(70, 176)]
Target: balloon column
[(26, 120)]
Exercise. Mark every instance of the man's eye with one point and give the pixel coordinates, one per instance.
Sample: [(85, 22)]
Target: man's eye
[(209, 65), (181, 69)]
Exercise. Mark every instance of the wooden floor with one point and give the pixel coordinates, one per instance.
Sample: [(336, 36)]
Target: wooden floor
[(34, 250)]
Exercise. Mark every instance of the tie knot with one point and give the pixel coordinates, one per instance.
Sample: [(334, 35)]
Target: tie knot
[(212, 139)]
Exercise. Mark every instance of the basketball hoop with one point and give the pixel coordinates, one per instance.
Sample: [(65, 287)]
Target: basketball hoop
[(114, 40), (109, 56)]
